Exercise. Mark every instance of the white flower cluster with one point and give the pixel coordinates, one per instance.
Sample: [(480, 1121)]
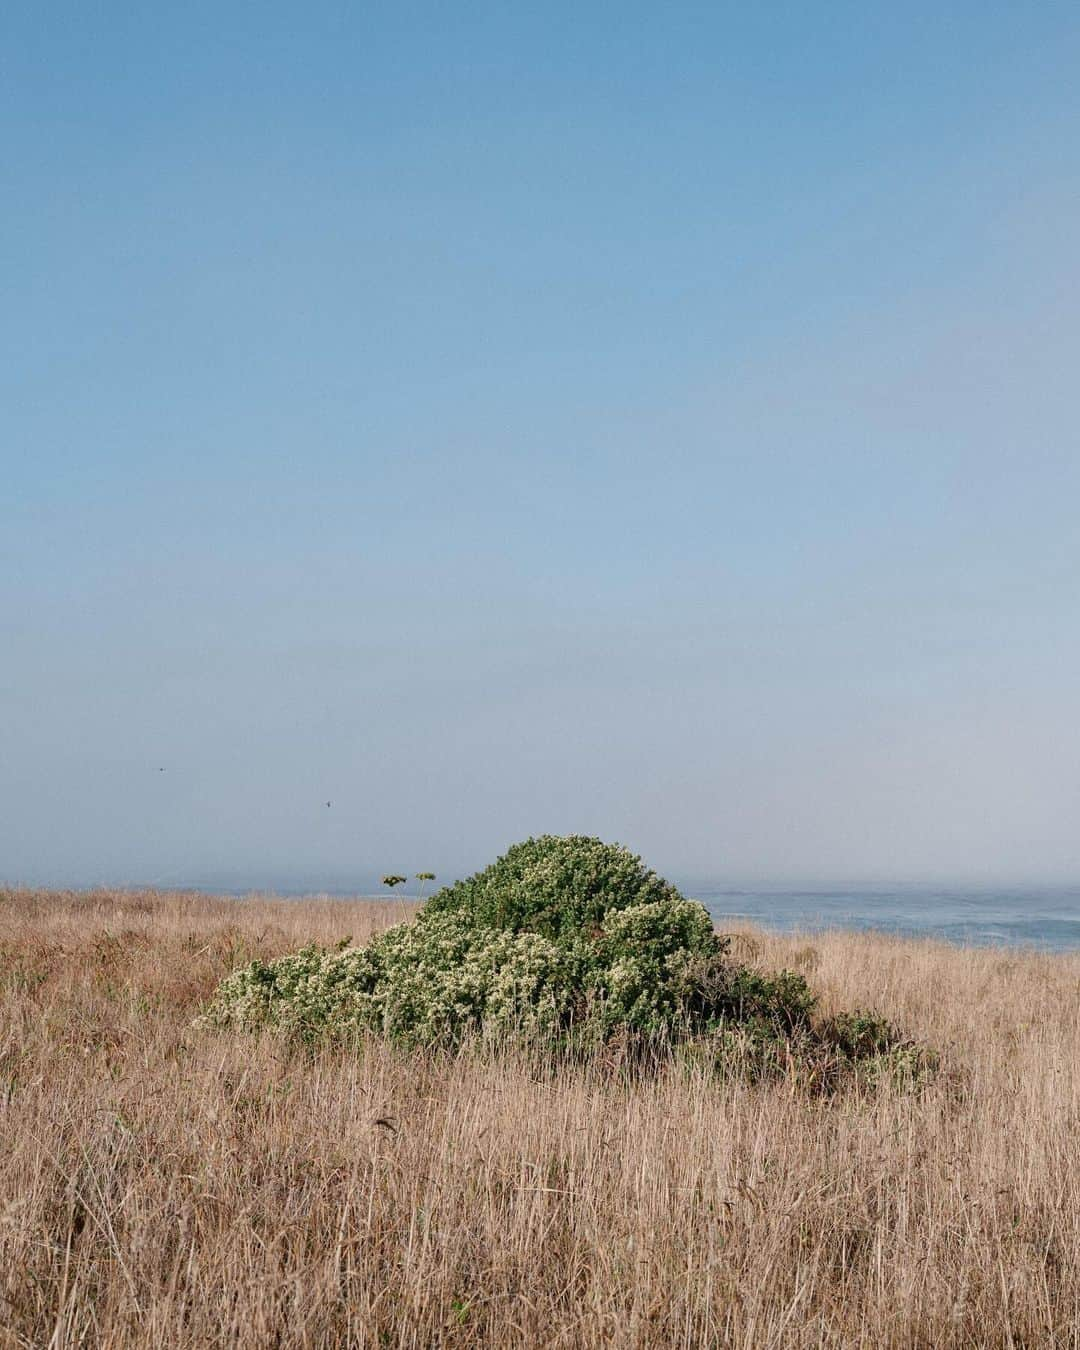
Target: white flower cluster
[(425, 982), (647, 955), (443, 976)]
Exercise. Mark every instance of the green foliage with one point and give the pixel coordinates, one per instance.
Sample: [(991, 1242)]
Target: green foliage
[(419, 983), (858, 1034), (641, 968), (875, 1049), (859, 1047), (562, 940), (554, 885), (730, 993)]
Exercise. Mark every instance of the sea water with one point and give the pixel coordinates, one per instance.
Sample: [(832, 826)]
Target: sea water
[(1047, 918)]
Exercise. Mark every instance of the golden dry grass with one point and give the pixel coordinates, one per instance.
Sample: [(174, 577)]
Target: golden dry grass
[(161, 1185)]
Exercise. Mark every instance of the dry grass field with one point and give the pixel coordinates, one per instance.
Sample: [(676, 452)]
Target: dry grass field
[(166, 1185)]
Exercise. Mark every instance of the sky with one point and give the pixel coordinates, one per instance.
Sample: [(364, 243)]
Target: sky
[(657, 422)]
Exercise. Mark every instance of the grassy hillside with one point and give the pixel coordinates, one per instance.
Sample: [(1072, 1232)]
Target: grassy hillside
[(171, 1185)]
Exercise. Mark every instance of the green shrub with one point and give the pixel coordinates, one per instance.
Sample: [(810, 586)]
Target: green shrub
[(565, 940), (554, 885), (870, 1046), (858, 1034), (420, 983)]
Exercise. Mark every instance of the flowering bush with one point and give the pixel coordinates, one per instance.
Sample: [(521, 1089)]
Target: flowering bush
[(424, 982), (559, 937), (558, 886)]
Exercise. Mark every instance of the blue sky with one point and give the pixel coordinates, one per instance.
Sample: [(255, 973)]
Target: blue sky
[(651, 422)]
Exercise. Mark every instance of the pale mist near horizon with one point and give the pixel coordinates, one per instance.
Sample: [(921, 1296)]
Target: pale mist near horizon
[(657, 424)]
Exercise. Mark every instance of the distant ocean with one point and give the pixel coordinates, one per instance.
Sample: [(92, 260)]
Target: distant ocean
[(1045, 917)]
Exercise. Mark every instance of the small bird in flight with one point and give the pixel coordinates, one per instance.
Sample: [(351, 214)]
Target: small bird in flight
[(328, 803)]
